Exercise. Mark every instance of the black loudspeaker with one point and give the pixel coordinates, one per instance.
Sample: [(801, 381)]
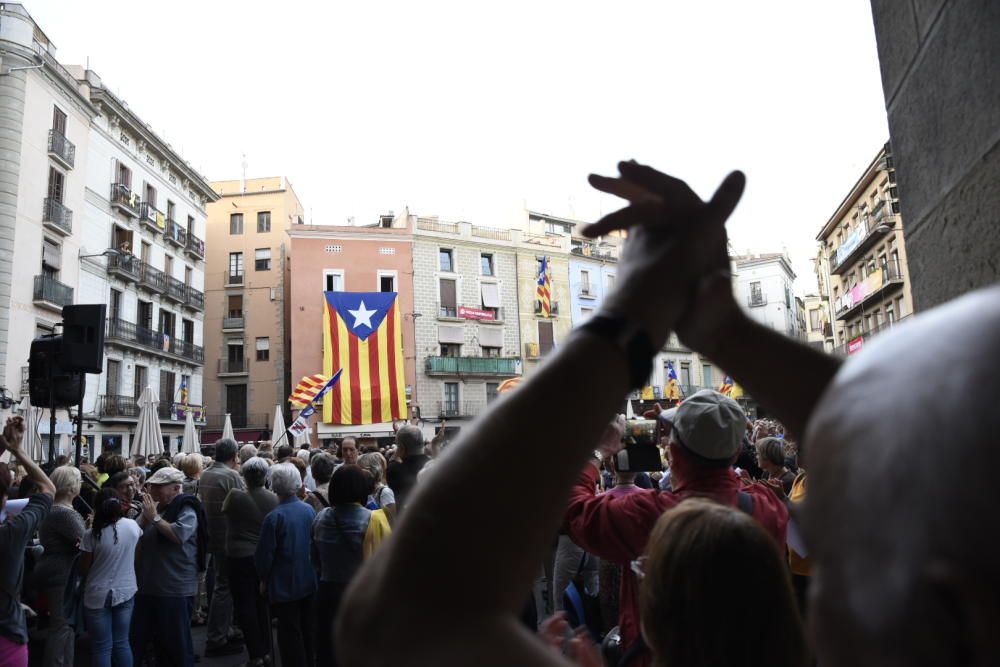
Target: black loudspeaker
[(45, 370), (83, 338)]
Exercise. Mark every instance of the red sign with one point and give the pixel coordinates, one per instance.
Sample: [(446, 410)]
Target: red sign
[(855, 345), (476, 313)]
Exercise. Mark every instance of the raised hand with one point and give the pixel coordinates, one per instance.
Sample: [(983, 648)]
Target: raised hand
[(13, 433), (675, 239), (611, 440)]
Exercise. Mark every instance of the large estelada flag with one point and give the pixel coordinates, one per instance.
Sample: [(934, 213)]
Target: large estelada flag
[(362, 335)]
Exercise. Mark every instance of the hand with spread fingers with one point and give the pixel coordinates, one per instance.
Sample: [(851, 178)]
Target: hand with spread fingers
[(675, 238)]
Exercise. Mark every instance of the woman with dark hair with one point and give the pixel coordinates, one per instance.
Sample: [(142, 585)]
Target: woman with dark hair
[(343, 536), (126, 490), (771, 458), (113, 465), (108, 596)]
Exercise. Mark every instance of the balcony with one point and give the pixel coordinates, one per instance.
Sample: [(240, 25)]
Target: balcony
[(125, 200), (459, 409), (61, 149), (152, 278), (602, 251), (126, 267), (474, 366), (56, 217), (233, 279), (195, 246), (194, 299), (756, 301), (176, 290), (233, 322), (215, 422), (429, 225), (117, 407), (553, 308), (122, 333), (862, 238), (234, 367), (885, 280), (153, 217), (491, 233), (51, 294), (175, 234), (866, 335)]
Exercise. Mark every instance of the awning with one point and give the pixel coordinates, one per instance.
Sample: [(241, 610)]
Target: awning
[(491, 336), (491, 295), (450, 334), (242, 435)]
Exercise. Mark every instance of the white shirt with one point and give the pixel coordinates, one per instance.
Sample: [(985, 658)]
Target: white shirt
[(113, 568)]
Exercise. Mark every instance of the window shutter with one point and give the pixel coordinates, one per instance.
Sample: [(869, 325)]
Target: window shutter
[(448, 298), (491, 295), (450, 334)]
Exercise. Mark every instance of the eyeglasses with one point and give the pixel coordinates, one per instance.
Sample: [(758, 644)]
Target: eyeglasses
[(638, 567)]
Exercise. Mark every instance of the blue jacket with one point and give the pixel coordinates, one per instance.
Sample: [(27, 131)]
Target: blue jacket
[(283, 552)]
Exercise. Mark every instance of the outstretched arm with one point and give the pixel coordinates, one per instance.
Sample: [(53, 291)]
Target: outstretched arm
[(442, 543)]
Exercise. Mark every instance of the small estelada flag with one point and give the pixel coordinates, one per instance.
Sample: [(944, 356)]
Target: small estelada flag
[(727, 386), (307, 390)]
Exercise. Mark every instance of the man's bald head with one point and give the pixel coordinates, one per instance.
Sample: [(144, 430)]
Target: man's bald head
[(411, 440), (904, 459)]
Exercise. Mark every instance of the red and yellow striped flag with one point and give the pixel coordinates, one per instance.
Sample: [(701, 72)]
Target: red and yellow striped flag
[(543, 292), (307, 388), (362, 334)]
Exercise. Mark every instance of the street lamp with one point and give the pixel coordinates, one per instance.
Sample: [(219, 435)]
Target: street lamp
[(110, 252)]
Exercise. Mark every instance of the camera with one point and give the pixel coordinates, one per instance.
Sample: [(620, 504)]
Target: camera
[(641, 453)]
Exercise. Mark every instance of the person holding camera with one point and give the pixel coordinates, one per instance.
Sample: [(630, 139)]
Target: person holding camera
[(15, 533)]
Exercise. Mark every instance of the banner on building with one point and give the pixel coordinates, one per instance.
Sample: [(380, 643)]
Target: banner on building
[(475, 313), (362, 334)]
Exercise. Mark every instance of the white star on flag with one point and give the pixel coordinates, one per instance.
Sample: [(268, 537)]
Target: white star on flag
[(362, 316)]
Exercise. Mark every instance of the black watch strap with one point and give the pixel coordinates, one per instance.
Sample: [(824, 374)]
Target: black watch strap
[(627, 336)]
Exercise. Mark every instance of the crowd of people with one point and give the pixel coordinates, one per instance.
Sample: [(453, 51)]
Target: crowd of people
[(126, 556), (534, 541)]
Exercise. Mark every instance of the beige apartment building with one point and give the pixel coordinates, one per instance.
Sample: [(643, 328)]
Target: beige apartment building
[(862, 258), (247, 344)]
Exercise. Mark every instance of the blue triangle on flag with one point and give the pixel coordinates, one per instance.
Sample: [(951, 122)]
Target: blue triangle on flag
[(362, 312)]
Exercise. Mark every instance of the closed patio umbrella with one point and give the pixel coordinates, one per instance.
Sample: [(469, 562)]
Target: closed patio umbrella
[(148, 438), (190, 444)]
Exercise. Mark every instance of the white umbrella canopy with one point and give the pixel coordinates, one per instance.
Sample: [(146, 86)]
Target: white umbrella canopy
[(227, 428), (191, 444), (278, 426), (148, 438), (32, 444)]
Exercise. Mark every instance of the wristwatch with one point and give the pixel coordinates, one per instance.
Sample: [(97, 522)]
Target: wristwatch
[(157, 518), (628, 337)]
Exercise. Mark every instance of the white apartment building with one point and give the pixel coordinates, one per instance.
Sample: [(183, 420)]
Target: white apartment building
[(764, 287), (104, 212)]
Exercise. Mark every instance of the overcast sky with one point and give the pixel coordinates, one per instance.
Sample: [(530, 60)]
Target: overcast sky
[(470, 110)]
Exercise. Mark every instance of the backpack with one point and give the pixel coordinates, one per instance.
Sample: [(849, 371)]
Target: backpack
[(581, 607), (173, 511)]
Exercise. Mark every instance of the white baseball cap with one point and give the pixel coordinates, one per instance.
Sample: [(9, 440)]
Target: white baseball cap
[(708, 424)]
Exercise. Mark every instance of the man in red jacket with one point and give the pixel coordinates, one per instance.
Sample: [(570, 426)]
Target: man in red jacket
[(706, 433)]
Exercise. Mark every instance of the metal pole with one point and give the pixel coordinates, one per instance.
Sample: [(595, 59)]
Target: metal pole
[(52, 415), (79, 431)]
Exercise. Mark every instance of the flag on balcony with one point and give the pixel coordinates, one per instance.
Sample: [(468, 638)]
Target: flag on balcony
[(673, 385), (184, 390), (543, 293), (161, 220), (727, 386), (362, 335)]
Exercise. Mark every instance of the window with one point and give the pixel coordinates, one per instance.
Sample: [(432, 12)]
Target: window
[(114, 377), (171, 210), (546, 337), (235, 224), (490, 294), (486, 264), (51, 257), (236, 404), (756, 294), (449, 299), (121, 239), (333, 281), (167, 322), (451, 350), (491, 351), (59, 120), (686, 374), (235, 357), (185, 395), (188, 276), (584, 282), (890, 316), (187, 331), (895, 271), (706, 376), (586, 313), (445, 261), (609, 282), (145, 251), (263, 222), (57, 183), (168, 387), (263, 346), (235, 305), (491, 392), (814, 319), (145, 314), (139, 381), (124, 176), (450, 399), (386, 281), (236, 265), (168, 265), (115, 305), (788, 298), (190, 227), (262, 259), (555, 228), (150, 195)]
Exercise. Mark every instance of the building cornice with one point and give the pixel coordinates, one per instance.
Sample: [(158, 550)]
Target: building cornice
[(847, 203), (353, 233), (103, 98)]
